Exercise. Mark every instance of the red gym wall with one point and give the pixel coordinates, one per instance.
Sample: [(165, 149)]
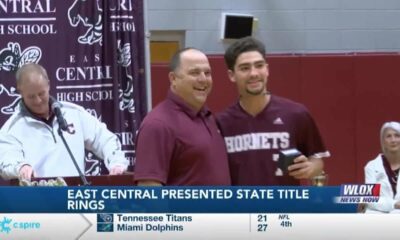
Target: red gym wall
[(349, 96)]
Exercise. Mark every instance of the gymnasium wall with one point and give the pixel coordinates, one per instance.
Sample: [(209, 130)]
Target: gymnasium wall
[(349, 95), (286, 26), (338, 57)]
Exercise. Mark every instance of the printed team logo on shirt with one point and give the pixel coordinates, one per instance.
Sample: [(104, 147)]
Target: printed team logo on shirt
[(278, 121), (257, 141), (71, 128)]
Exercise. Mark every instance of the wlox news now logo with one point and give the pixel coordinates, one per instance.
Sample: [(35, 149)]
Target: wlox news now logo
[(359, 193)]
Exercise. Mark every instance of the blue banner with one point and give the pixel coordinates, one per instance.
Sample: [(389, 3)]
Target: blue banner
[(172, 200)]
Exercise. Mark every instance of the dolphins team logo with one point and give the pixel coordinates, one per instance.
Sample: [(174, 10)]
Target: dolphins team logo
[(11, 59), (78, 13)]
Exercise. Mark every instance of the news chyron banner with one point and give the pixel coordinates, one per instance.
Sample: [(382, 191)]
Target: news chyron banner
[(269, 212), (93, 51)]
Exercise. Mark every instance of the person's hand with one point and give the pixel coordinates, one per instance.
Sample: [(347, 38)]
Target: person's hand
[(397, 205), (117, 170), (304, 168), (26, 172)]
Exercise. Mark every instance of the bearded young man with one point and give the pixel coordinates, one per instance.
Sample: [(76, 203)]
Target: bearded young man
[(259, 125)]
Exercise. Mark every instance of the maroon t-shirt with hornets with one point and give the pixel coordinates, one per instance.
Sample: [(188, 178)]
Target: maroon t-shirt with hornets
[(253, 142), (178, 146)]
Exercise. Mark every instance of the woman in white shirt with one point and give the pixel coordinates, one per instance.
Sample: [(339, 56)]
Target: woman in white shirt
[(384, 170)]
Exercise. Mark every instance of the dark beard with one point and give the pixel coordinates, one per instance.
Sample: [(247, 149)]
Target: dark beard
[(256, 93)]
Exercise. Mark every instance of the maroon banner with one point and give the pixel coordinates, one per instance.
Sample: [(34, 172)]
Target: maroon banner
[(93, 51)]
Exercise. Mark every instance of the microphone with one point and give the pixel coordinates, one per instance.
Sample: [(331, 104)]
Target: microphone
[(63, 125), (55, 107)]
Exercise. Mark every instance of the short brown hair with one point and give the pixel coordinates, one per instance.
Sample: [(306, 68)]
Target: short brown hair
[(242, 45)]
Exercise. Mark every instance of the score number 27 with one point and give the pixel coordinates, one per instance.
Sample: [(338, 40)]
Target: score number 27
[(262, 222)]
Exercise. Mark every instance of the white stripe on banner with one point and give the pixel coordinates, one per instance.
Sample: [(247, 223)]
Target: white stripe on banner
[(26, 19), (121, 17), (85, 86)]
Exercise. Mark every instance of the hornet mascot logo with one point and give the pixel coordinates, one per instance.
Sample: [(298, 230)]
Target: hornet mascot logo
[(11, 59), (82, 11)]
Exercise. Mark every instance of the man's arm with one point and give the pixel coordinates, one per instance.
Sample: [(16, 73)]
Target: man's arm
[(11, 158), (155, 145), (154, 183), (103, 143)]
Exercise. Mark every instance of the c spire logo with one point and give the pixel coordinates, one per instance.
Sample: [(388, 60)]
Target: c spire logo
[(5, 225)]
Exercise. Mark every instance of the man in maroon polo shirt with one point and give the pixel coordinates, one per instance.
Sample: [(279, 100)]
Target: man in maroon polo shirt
[(260, 124), (178, 142)]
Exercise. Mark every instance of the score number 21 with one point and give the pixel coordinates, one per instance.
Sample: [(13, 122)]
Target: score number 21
[(262, 222)]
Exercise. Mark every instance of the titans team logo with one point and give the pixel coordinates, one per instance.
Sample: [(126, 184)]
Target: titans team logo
[(78, 14), (105, 222), (11, 59)]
